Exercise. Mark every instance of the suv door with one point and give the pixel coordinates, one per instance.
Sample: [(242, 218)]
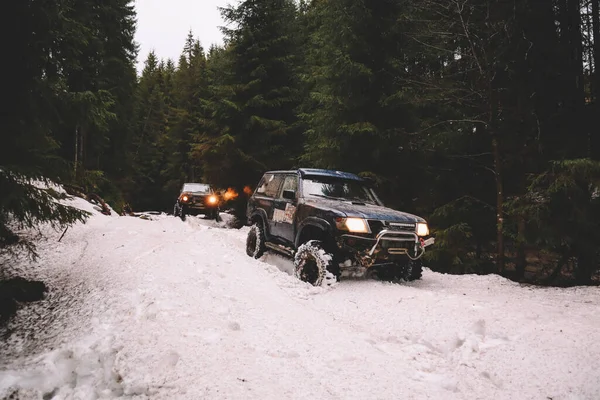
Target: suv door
[(285, 209), (265, 195)]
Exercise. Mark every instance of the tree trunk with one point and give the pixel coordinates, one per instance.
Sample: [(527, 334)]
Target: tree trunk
[(585, 267), (82, 145), (521, 262), (593, 118), (499, 205), (596, 32), (76, 151), (576, 48)]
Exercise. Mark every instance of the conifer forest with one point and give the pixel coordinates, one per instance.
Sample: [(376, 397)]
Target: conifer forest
[(483, 116)]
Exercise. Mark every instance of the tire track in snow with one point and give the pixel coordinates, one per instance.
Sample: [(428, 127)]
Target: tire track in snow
[(425, 356), (297, 292)]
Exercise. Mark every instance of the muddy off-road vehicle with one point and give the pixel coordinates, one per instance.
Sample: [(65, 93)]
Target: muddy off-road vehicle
[(197, 198), (333, 224)]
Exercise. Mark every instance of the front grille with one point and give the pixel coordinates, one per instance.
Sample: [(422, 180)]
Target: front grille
[(401, 226), (377, 226)]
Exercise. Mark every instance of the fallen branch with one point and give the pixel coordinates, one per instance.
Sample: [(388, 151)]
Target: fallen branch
[(63, 234), (98, 199)]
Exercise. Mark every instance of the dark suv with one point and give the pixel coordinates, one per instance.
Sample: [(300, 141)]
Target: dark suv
[(197, 198), (334, 225)]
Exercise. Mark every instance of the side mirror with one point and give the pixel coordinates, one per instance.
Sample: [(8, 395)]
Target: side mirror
[(289, 194)]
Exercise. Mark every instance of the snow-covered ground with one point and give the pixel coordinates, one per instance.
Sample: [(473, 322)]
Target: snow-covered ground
[(165, 309)]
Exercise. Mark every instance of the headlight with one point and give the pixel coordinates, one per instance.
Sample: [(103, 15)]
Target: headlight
[(185, 198), (355, 225), (212, 199), (422, 229)]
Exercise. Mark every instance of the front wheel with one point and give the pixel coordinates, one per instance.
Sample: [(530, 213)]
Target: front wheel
[(408, 271), (255, 242), (313, 264), (414, 270)]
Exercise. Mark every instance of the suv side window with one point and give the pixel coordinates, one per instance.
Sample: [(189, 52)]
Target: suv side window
[(290, 182), (273, 186), (262, 186), (269, 185)]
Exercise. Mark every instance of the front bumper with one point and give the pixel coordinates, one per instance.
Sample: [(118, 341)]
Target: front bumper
[(198, 203), (388, 246), (199, 207)]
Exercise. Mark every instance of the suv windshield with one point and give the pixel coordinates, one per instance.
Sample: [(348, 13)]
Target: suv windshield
[(337, 189), (196, 187)]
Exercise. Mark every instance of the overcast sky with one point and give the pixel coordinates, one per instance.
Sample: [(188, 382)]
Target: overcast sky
[(163, 25)]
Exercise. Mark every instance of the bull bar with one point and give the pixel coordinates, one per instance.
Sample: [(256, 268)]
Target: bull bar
[(398, 236)]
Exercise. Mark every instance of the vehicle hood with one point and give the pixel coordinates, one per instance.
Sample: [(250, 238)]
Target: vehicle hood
[(367, 211)]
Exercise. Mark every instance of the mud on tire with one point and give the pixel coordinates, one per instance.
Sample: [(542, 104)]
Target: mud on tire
[(406, 271), (255, 241), (414, 270), (313, 264)]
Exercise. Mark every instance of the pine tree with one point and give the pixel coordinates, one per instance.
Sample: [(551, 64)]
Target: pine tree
[(190, 89), (37, 97), (359, 111), (153, 107), (251, 105)]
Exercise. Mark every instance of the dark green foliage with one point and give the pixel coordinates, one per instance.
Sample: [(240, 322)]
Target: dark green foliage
[(463, 233), (452, 108), (263, 49), (356, 72), (247, 125), (562, 211), (480, 115), (26, 205), (147, 152), (71, 84)]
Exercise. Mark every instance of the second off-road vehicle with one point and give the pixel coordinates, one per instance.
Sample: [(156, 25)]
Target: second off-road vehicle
[(197, 198), (333, 224)]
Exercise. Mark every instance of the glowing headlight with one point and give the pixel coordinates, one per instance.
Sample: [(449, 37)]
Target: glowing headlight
[(212, 199), (355, 225), (422, 229), (185, 198)]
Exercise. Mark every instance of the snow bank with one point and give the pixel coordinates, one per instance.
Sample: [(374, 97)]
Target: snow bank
[(167, 309)]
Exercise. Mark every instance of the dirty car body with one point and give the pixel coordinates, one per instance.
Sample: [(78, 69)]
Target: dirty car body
[(343, 213)]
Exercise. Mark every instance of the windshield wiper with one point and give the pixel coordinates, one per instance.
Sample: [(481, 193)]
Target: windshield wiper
[(329, 197), (350, 199)]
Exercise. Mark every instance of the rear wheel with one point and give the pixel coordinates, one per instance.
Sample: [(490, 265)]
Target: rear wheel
[(255, 241), (313, 264)]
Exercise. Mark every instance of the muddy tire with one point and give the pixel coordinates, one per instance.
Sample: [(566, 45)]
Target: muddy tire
[(255, 241), (314, 265), (414, 270), (406, 271)]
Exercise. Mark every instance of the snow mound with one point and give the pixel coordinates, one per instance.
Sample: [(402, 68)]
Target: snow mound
[(80, 370)]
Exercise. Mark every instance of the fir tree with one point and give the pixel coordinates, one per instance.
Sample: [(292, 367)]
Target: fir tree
[(251, 106)]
